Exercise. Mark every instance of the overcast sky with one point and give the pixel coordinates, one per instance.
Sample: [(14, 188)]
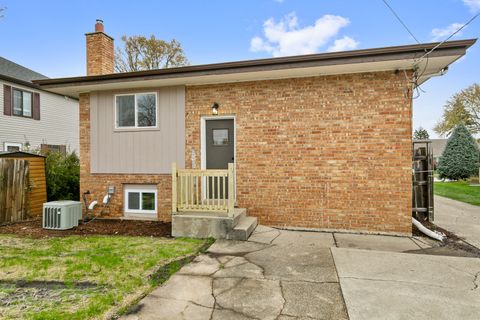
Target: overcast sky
[(48, 36)]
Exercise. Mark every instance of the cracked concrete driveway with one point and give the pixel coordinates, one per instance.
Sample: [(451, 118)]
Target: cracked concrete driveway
[(390, 285), (463, 219), (284, 275), (280, 274)]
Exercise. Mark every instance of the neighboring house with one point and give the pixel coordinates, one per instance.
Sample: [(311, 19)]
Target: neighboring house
[(32, 118), (438, 146), (319, 141)]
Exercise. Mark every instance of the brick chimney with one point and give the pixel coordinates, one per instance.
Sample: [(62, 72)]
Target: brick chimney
[(100, 53)]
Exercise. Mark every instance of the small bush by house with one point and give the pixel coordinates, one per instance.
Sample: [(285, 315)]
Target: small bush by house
[(63, 176)]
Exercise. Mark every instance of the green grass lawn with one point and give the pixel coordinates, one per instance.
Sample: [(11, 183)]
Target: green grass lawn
[(458, 190), (82, 277)]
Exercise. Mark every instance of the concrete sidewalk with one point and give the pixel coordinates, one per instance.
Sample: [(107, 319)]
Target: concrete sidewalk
[(387, 285), (460, 218)]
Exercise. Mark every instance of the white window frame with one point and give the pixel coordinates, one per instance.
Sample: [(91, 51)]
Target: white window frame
[(139, 188), (12, 144), (136, 127)]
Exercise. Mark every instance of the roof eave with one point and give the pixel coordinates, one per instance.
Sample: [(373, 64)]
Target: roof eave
[(344, 57), (32, 85)]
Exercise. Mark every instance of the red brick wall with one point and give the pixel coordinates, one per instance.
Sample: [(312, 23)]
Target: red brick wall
[(324, 152), (327, 152)]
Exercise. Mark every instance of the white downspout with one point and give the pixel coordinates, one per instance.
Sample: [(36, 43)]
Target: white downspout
[(432, 234)]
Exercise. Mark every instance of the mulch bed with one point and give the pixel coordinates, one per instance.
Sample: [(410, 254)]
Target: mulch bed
[(33, 229)]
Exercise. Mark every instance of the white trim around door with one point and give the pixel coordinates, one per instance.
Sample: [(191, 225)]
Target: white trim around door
[(203, 144)]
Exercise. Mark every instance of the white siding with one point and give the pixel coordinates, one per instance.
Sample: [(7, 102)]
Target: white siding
[(58, 122)]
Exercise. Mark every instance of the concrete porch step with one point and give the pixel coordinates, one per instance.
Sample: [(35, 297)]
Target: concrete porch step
[(243, 229), (237, 214), (205, 224)]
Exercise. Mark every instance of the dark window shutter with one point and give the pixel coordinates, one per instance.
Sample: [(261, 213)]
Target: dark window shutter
[(7, 100), (36, 106)]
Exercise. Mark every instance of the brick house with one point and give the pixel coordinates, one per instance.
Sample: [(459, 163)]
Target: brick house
[(319, 141)]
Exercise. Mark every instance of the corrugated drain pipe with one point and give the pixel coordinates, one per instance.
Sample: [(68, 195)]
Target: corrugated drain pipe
[(432, 234)]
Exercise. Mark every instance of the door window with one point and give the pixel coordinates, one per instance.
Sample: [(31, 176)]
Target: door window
[(220, 137)]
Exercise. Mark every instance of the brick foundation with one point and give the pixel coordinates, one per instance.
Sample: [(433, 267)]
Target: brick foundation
[(97, 184)]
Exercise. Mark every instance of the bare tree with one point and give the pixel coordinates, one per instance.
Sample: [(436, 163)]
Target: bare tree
[(142, 53)]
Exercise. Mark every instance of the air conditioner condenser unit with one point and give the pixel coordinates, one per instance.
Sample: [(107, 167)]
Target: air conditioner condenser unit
[(61, 215)]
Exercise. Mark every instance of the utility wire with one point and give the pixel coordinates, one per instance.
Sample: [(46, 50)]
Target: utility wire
[(400, 20), (427, 53), (449, 37)]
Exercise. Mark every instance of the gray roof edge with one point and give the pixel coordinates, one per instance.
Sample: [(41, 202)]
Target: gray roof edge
[(32, 85), (267, 63), (14, 70)]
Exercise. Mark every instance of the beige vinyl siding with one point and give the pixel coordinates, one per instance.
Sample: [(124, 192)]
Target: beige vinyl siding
[(58, 122), (142, 150)]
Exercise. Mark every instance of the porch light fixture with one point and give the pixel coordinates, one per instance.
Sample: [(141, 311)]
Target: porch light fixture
[(215, 107)]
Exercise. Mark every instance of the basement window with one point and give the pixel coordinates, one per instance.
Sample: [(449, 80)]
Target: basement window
[(140, 199), (137, 110)]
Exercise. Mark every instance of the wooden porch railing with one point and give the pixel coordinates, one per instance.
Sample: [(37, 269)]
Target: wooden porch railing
[(203, 190)]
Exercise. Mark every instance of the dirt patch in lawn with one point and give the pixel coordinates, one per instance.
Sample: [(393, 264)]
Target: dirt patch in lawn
[(47, 284), (14, 298), (33, 228), (15, 291)]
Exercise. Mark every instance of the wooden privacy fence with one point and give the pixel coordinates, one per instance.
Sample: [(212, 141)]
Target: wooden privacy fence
[(14, 184), (208, 190)]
